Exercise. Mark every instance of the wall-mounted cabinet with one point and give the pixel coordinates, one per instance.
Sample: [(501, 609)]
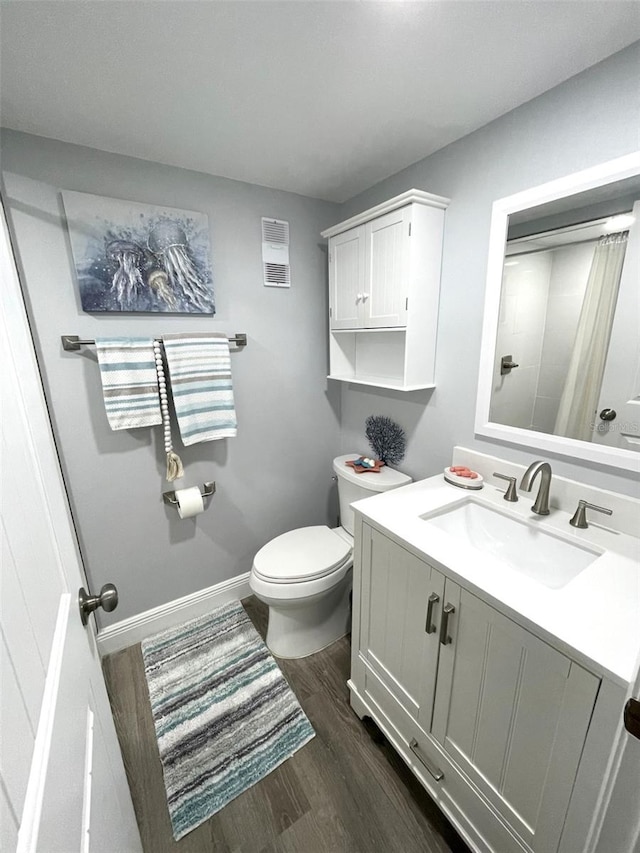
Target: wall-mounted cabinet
[(384, 283)]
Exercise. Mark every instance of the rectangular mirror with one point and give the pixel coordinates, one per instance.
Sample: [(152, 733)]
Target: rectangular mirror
[(560, 360)]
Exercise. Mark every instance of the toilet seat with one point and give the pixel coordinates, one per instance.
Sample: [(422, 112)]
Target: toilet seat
[(305, 554)]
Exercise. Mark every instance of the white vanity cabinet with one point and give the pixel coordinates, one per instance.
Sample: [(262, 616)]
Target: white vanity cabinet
[(384, 282), (491, 719)]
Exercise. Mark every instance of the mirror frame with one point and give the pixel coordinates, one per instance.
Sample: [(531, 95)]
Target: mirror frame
[(605, 173)]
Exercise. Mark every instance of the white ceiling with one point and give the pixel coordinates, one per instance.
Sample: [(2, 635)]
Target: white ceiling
[(318, 98)]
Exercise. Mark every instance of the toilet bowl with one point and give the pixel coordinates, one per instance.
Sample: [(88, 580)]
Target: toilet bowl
[(304, 576)]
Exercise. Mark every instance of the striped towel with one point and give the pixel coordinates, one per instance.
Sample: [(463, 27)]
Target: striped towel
[(129, 382), (200, 373)]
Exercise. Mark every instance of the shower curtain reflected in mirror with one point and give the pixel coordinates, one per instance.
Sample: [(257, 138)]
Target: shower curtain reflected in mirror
[(577, 410)]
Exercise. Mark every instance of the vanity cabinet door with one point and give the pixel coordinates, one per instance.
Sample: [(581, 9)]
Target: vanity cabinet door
[(513, 713), (396, 640), (347, 279)]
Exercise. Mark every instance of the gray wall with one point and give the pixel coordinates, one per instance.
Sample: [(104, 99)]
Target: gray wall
[(276, 474), (591, 118)]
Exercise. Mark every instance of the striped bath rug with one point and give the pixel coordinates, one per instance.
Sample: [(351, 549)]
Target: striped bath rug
[(224, 715)]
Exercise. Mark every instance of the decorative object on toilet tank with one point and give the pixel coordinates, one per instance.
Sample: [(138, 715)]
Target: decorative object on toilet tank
[(139, 257), (386, 438), (364, 465)]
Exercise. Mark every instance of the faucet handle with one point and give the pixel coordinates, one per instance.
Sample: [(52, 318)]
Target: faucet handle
[(511, 494), (580, 515)]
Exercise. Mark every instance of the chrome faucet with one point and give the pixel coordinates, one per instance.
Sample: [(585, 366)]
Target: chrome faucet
[(541, 505)]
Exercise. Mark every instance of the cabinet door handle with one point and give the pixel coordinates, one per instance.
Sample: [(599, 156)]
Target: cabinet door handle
[(429, 627), (435, 771), (447, 610)]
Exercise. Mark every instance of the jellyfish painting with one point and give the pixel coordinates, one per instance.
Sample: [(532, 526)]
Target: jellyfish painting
[(168, 241), (138, 257), (127, 282)]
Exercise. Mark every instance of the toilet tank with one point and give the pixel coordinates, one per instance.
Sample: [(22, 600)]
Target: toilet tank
[(354, 487)]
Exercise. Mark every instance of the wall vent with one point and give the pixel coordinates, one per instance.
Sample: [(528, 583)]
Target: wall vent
[(275, 253)]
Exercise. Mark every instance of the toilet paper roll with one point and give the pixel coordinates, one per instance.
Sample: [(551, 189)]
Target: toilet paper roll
[(190, 502)]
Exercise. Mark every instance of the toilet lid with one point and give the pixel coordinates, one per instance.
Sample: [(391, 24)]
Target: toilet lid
[(301, 555)]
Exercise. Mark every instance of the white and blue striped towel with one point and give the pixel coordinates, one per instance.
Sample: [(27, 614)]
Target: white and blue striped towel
[(129, 382), (200, 372)]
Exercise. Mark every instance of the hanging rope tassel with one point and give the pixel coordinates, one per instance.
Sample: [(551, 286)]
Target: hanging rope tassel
[(175, 468)]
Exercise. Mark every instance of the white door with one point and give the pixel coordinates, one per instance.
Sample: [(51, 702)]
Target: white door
[(621, 378), (63, 786), (386, 275), (346, 279)]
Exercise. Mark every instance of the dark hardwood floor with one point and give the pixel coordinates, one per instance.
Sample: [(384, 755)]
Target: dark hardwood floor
[(343, 792)]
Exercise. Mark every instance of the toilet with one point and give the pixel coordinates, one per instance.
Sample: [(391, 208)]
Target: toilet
[(304, 576)]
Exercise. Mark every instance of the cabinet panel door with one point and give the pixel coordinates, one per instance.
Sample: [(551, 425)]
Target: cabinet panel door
[(346, 278), (396, 587), (513, 713), (386, 274)]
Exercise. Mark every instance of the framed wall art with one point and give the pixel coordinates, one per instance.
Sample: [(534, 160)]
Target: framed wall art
[(139, 257)]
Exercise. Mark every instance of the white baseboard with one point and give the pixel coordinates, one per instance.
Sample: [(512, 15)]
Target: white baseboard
[(130, 631)]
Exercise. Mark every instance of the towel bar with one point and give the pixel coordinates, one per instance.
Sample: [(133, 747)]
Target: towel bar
[(72, 343), (207, 490)]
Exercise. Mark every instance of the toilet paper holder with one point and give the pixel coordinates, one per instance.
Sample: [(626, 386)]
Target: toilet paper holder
[(207, 490)]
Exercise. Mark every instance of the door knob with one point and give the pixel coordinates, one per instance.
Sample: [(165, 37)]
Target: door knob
[(108, 600), (632, 717), (608, 415)]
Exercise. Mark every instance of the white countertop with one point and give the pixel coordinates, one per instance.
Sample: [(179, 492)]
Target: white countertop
[(595, 618)]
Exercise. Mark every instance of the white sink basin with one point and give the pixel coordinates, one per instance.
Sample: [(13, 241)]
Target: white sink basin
[(523, 546)]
